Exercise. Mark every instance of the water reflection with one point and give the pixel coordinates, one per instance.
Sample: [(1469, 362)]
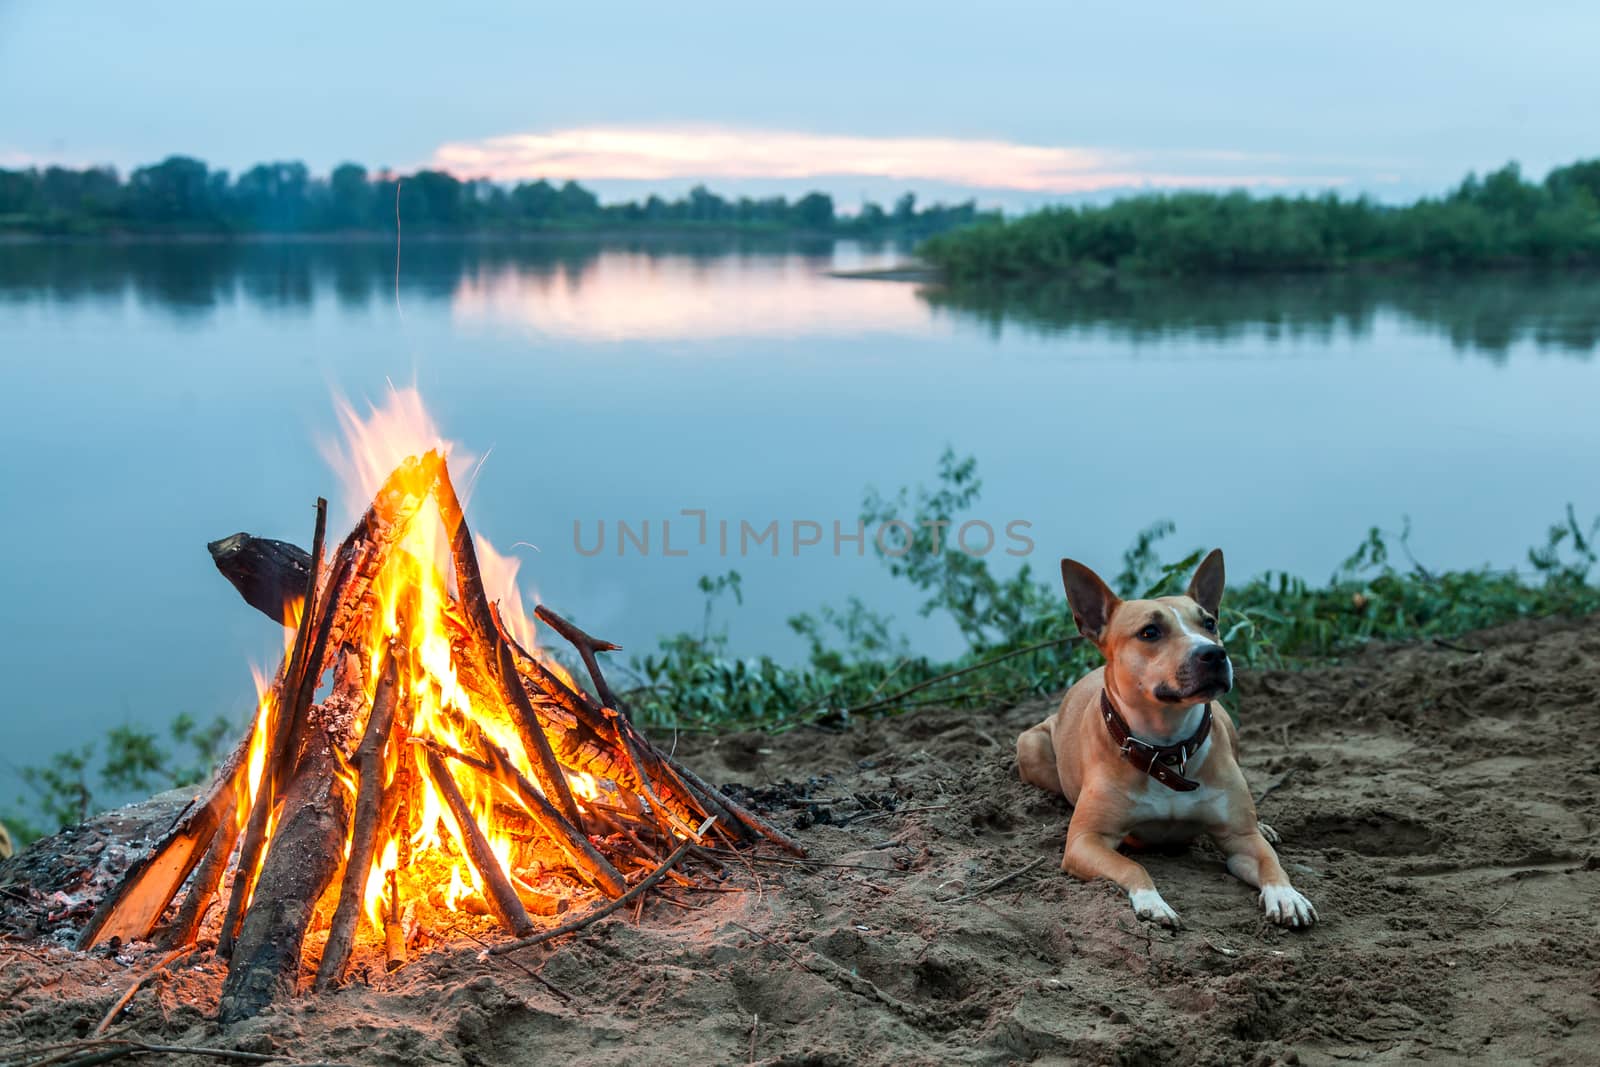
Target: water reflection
[(623, 296), (683, 288), (697, 287), (1487, 314)]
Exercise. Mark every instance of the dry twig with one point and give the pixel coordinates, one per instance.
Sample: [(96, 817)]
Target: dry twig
[(122, 1001), (997, 883), (873, 705), (600, 912)]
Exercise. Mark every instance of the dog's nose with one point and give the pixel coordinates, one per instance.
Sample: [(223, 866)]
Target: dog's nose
[(1214, 656)]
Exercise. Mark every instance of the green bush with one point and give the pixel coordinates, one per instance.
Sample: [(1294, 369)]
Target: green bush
[(1500, 219)]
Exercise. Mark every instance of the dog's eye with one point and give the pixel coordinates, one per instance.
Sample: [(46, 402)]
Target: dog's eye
[(1150, 633), (1209, 624)]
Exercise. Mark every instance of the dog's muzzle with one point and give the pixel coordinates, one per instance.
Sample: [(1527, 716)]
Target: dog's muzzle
[(1204, 675)]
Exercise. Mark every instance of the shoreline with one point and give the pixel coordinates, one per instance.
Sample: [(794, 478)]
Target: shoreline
[(435, 236)]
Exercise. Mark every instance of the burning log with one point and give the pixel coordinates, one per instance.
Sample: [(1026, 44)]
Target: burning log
[(498, 766), (281, 754), (132, 911), (268, 574), (364, 832), (297, 870), (502, 898), (438, 719)]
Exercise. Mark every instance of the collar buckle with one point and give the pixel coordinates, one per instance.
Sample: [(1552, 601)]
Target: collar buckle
[(1156, 758)]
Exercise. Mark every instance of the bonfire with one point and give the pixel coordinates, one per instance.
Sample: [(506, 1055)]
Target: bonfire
[(415, 756)]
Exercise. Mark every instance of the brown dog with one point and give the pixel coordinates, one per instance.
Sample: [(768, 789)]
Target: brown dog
[(1141, 755)]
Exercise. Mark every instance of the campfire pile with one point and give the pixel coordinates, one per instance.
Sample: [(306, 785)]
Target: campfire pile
[(413, 751)]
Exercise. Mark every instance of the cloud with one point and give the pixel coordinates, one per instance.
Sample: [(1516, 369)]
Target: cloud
[(644, 153)]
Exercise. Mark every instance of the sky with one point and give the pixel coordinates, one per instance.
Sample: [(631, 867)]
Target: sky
[(1015, 103)]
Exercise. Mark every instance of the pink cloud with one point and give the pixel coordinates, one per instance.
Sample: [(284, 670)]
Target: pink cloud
[(710, 152)]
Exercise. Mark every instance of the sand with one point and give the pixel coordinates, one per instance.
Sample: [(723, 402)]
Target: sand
[(1438, 804)]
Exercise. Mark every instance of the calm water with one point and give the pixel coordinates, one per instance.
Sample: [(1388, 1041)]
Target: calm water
[(157, 397)]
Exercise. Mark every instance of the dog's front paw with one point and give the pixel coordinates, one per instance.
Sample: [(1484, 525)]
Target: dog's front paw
[(1266, 831), (1285, 906), (1148, 905)]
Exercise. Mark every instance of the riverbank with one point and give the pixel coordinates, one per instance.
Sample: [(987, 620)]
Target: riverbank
[(427, 235), (1453, 872), (1492, 222)]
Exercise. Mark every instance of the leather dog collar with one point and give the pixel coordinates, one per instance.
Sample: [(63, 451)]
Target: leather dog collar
[(1164, 763)]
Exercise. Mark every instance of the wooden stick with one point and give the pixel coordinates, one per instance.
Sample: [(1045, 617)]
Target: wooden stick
[(131, 911), (203, 887), (620, 722), (748, 819), (668, 820), (587, 646), (549, 770), (588, 737), (111, 1049), (122, 1001), (469, 577), (873, 705), (595, 914), (302, 862), (280, 753), (571, 839), (494, 647), (710, 800), (366, 823), (501, 896), (394, 931), (613, 713), (996, 883), (584, 855)]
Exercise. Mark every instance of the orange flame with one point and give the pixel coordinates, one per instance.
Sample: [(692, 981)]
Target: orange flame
[(412, 614)]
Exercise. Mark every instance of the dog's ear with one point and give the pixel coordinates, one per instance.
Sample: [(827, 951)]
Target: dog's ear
[(1090, 599), (1205, 588)]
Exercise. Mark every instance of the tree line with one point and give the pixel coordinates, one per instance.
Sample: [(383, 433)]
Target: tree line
[(1500, 219), (181, 194)]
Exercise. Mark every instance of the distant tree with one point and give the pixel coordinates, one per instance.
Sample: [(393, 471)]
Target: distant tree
[(19, 192), (178, 189), (1576, 182), (578, 202), (706, 206), (536, 200), (94, 191), (814, 211), (273, 196), (438, 195), (349, 196)]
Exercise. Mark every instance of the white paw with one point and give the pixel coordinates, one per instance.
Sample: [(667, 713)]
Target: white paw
[(1266, 830), (1285, 906), (1148, 905)]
